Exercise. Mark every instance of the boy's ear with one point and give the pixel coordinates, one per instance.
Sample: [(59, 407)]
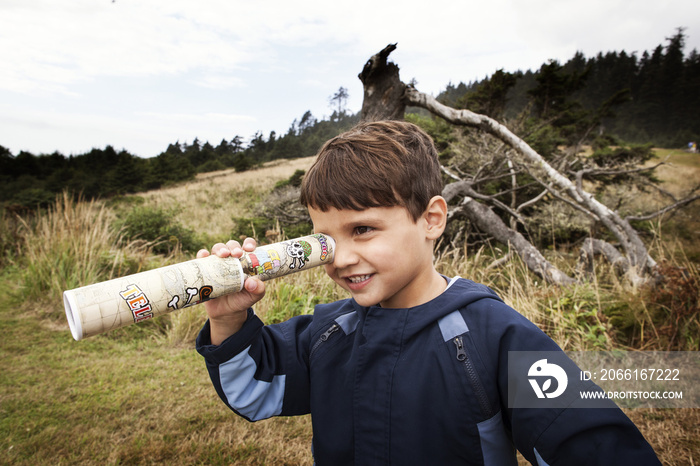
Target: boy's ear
[(435, 217)]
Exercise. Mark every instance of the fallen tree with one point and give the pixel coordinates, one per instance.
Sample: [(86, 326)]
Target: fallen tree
[(386, 97)]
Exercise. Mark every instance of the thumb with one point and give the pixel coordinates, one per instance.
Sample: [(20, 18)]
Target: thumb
[(255, 287)]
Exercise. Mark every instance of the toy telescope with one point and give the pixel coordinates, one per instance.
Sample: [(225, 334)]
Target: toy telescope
[(104, 306)]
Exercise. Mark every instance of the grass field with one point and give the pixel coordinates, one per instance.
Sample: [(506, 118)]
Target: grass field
[(141, 394)]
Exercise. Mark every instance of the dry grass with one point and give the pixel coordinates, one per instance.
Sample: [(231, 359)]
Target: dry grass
[(681, 171), (674, 433), (74, 244), (141, 395), (211, 201)]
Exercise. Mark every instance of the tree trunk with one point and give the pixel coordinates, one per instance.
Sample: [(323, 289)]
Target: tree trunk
[(383, 89)]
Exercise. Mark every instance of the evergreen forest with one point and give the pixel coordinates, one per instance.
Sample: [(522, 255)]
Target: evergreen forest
[(615, 97)]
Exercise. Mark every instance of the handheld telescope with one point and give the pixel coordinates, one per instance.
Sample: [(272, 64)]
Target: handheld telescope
[(108, 305)]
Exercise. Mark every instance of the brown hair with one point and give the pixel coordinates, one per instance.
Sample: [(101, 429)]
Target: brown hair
[(375, 164)]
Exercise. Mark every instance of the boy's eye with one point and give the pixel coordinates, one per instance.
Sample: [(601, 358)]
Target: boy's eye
[(362, 230)]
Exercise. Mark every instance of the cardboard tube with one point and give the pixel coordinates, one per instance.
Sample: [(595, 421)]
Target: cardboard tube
[(104, 306)]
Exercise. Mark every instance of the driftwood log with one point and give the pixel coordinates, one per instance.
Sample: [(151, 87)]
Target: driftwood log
[(386, 97)]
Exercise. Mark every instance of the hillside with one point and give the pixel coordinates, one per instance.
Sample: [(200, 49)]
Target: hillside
[(211, 200), (141, 394)]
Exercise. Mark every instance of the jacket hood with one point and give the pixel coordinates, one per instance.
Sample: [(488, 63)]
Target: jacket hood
[(459, 293)]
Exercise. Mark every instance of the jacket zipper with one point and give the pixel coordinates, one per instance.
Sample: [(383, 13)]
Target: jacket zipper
[(481, 395), (333, 328)]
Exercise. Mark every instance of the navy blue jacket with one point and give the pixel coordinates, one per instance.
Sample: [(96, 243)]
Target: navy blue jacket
[(419, 386)]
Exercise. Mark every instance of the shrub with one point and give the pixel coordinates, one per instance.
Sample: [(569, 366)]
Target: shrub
[(254, 227), (294, 180), (159, 227), (574, 320), (288, 301), (211, 166), (297, 294), (674, 308)]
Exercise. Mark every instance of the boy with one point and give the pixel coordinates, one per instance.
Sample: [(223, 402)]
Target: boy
[(413, 368)]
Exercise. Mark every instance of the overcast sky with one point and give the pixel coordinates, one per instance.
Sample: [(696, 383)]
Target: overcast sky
[(141, 74)]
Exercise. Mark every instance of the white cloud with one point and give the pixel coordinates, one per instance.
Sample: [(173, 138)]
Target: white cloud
[(220, 81), (144, 73), (49, 45), (203, 119)]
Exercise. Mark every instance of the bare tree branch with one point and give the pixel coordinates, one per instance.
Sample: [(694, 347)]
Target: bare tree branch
[(629, 239), (594, 247), (513, 194), (532, 201), (663, 191), (500, 262), (486, 220), (668, 208), (550, 189), (467, 188), (604, 172)]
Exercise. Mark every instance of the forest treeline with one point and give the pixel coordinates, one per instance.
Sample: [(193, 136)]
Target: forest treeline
[(652, 98), (614, 96), (28, 180)]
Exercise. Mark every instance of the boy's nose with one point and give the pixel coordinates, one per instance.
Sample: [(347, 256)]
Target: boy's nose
[(345, 255)]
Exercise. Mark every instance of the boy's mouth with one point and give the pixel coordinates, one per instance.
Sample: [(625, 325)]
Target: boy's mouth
[(357, 281), (358, 278)]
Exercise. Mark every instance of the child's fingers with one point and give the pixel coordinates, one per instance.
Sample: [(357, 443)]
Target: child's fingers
[(232, 244), (249, 244), (231, 248), (255, 287)]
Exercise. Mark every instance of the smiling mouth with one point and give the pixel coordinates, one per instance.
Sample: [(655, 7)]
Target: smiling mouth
[(356, 279)]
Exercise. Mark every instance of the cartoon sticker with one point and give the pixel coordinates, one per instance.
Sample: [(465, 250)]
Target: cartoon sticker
[(204, 294), (299, 251), (173, 302), (324, 246), (138, 303), (264, 261)]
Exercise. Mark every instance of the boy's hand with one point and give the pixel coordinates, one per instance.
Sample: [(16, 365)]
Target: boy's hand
[(228, 313)]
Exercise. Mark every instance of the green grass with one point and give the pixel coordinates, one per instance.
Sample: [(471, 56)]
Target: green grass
[(124, 399)]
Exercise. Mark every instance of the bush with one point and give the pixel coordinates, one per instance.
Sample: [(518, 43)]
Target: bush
[(635, 154), (9, 237), (159, 227), (574, 317), (279, 212), (294, 180), (211, 166), (289, 300), (674, 308), (253, 227)]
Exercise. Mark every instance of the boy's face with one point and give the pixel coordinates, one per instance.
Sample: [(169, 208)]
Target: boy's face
[(382, 256)]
